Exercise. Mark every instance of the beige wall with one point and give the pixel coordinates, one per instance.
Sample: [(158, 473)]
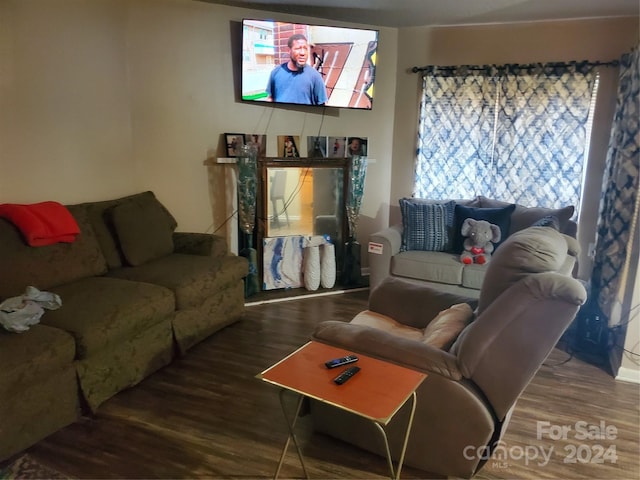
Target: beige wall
[(101, 98), (65, 124)]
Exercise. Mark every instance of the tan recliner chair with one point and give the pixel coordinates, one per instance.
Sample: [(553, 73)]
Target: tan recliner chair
[(527, 301)]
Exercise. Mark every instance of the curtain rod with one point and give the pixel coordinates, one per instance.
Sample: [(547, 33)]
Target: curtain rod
[(611, 63)]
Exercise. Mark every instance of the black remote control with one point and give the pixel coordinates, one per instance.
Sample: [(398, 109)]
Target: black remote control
[(346, 375), (338, 362)]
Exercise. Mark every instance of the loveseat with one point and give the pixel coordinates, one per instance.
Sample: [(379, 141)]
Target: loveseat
[(134, 294), (425, 247), (478, 359)]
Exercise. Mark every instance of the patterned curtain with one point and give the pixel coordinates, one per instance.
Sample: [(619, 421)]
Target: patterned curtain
[(618, 219), (513, 132)]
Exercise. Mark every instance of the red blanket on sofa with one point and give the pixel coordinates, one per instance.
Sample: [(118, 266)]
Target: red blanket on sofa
[(42, 223)]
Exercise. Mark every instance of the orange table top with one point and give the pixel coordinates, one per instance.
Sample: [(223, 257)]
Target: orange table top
[(376, 392)]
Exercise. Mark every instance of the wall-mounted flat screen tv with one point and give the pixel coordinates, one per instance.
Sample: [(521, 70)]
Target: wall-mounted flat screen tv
[(294, 63)]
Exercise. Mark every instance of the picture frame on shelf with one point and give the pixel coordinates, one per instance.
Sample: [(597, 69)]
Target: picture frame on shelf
[(316, 147), (288, 146), (233, 142), (259, 140), (356, 146), (336, 147)]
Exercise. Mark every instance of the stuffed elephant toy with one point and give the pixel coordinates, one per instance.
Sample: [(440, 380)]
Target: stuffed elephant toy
[(478, 244)]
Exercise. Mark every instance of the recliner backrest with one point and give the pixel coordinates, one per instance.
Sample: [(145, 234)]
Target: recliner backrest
[(524, 307), (529, 251)]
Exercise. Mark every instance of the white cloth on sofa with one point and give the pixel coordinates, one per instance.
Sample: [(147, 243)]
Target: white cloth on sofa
[(17, 314)]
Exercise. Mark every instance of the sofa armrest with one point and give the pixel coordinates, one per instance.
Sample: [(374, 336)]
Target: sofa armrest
[(380, 263), (200, 244), (411, 303), (385, 346)]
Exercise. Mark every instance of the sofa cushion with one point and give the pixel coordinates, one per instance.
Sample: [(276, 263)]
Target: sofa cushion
[(426, 226), (100, 311), (498, 216), (438, 267), (33, 354), (387, 324), (473, 275), (192, 278), (532, 250), (48, 266), (99, 215), (524, 217), (442, 331), (144, 230)]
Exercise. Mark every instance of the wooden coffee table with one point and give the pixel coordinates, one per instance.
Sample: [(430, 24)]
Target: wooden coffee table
[(376, 392)]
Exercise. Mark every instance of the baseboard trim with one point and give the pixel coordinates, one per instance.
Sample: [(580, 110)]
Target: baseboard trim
[(309, 295), (628, 375)]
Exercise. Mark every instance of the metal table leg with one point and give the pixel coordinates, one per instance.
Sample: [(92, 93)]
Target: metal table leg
[(291, 424), (396, 474)]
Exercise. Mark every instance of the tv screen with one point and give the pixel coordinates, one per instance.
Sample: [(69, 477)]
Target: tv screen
[(296, 63)]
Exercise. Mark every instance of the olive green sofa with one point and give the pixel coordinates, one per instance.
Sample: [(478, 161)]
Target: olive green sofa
[(134, 293)]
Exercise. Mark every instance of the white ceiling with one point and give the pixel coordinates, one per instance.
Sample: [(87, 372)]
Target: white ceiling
[(407, 13)]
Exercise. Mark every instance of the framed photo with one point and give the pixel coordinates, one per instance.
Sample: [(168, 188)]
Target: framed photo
[(234, 141), (288, 146), (337, 146), (317, 147), (259, 140), (356, 146)]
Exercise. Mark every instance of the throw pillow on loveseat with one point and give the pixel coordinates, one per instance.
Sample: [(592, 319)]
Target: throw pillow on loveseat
[(426, 246)]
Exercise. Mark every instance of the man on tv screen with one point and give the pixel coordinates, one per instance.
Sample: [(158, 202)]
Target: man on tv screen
[(294, 81)]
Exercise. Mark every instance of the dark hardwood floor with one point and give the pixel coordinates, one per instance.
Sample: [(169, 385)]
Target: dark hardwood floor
[(207, 416)]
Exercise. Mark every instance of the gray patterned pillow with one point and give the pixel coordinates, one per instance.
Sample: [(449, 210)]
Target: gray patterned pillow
[(426, 226)]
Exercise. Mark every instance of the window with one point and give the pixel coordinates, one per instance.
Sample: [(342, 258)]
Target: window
[(514, 133)]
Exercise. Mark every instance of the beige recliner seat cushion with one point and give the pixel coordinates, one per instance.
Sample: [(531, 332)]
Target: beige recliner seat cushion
[(387, 324), (440, 332)]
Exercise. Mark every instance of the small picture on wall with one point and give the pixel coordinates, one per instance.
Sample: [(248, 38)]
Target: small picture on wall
[(259, 140), (337, 147), (356, 146), (234, 142), (288, 146), (316, 147)]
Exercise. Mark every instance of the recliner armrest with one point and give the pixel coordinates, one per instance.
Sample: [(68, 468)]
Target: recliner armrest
[(391, 348)]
